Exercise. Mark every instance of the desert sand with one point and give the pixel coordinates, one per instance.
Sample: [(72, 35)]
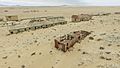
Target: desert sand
[(35, 49)]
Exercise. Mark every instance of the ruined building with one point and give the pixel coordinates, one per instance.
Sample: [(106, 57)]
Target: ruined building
[(117, 12), (37, 23), (11, 18), (67, 41), (81, 17)]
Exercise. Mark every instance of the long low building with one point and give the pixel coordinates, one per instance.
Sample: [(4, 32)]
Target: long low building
[(36, 24)]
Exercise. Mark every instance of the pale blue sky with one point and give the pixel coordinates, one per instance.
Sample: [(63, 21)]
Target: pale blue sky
[(61, 2)]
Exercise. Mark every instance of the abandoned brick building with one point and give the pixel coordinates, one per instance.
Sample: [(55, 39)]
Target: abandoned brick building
[(11, 18), (81, 17), (67, 41)]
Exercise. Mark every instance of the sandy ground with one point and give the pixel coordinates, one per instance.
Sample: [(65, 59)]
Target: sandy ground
[(35, 49)]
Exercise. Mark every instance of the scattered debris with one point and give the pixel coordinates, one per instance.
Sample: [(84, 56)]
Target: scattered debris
[(52, 67), (23, 66), (50, 52), (84, 53), (102, 57), (105, 58), (9, 67), (40, 53), (103, 34), (79, 49), (118, 45), (5, 57), (38, 44), (109, 44), (101, 48), (108, 59), (91, 38), (5, 62), (99, 39), (101, 21), (35, 41), (81, 63), (54, 29), (49, 39), (33, 54), (19, 56), (107, 52), (32, 33)]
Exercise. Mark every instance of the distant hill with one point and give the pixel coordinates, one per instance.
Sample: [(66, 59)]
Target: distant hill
[(6, 4), (3, 5)]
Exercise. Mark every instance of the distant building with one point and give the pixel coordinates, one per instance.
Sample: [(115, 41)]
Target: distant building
[(117, 12), (11, 18), (81, 17), (67, 41)]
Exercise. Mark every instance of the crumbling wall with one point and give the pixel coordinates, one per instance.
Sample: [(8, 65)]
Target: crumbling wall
[(67, 41), (81, 17), (11, 18)]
